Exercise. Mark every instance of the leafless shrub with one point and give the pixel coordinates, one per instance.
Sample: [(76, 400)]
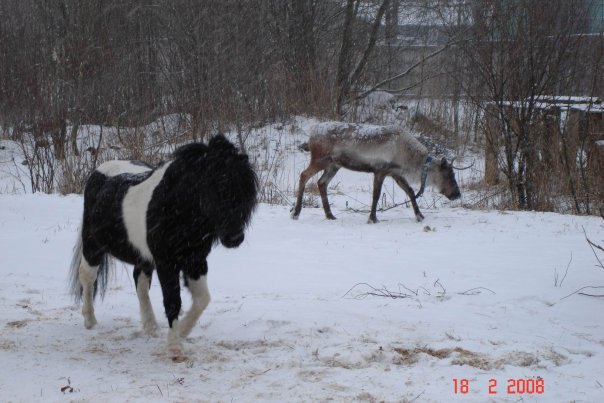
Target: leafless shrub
[(597, 251), (41, 162)]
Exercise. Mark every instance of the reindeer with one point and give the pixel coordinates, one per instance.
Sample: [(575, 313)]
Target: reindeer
[(383, 151)]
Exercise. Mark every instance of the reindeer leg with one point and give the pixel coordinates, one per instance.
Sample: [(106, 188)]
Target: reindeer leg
[(324, 180), (378, 180), (304, 177), (143, 283), (405, 186)]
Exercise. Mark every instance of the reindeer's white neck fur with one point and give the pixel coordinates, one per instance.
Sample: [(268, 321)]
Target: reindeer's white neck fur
[(411, 156)]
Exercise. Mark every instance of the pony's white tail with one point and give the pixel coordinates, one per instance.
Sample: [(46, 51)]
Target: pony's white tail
[(75, 287)]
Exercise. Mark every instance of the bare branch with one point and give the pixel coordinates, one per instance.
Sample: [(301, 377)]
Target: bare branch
[(592, 246), (582, 293), (371, 43), (475, 291), (464, 168), (404, 73)]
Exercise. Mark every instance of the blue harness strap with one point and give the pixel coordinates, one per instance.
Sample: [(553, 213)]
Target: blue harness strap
[(424, 176)]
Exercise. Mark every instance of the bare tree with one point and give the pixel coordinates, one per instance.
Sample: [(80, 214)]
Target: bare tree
[(350, 68), (522, 51)]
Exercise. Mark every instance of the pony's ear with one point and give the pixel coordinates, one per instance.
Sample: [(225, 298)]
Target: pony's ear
[(192, 150), (221, 142)]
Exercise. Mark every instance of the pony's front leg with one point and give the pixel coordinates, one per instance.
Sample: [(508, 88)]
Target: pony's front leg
[(87, 276), (170, 286), (201, 298), (142, 279)]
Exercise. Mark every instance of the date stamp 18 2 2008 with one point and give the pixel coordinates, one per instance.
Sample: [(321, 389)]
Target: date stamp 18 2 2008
[(512, 386)]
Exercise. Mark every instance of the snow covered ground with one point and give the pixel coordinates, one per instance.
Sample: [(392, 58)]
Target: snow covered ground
[(317, 310), (293, 318)]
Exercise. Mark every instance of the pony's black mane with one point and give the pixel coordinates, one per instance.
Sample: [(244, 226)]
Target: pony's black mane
[(214, 181), (218, 143), (193, 150)]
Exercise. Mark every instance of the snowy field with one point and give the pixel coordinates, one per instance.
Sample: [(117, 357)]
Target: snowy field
[(293, 318), (468, 306)]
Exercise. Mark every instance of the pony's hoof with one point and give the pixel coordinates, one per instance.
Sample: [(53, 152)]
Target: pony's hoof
[(150, 330), (89, 322), (179, 358), (186, 329), (176, 353)]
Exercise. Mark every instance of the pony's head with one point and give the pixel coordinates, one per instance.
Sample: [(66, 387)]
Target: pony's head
[(218, 184), (237, 189), (232, 240)]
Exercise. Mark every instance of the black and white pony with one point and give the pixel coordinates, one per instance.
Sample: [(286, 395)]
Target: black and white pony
[(165, 219)]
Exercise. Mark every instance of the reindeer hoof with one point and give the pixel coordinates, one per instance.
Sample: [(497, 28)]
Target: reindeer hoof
[(294, 216), (419, 217), (330, 216), (372, 221)]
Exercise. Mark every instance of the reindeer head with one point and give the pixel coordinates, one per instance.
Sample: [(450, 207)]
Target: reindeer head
[(442, 177)]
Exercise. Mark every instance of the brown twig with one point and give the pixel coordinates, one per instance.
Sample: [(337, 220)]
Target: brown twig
[(475, 291), (68, 387), (376, 292), (592, 246), (582, 293), (565, 273), (405, 292)]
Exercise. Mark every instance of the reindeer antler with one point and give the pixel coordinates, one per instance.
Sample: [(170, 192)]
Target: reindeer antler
[(460, 168)]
